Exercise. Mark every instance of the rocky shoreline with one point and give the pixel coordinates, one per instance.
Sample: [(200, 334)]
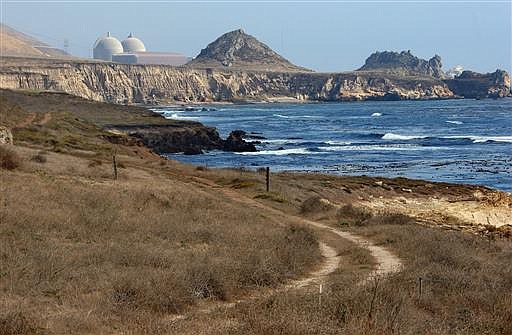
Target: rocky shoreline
[(125, 125)]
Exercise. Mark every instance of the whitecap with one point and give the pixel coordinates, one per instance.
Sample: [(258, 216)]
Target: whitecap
[(454, 122), (175, 116), (281, 116), (281, 141), (377, 114), (482, 139), (338, 143), (296, 151), (374, 147), (391, 136)]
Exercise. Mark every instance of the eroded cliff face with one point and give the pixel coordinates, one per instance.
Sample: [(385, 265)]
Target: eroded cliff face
[(121, 83), (477, 85)]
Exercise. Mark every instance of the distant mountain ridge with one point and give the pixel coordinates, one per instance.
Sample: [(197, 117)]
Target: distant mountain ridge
[(238, 50), (404, 63), (15, 43)]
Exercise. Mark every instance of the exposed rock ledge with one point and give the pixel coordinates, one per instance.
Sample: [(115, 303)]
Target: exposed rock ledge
[(190, 139), (153, 84)]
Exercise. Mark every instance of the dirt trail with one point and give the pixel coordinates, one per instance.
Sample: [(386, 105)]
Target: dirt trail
[(46, 118), (28, 121), (32, 117), (386, 262)]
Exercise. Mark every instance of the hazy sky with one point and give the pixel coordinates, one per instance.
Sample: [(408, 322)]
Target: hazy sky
[(327, 36)]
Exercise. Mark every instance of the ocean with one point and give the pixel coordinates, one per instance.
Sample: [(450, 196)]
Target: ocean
[(458, 141)]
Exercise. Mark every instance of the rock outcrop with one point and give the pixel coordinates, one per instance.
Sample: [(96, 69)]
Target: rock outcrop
[(238, 50), (470, 84), (5, 135), (236, 143), (404, 63)]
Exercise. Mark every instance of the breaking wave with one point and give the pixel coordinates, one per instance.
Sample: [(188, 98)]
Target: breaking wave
[(474, 138), (377, 147), (391, 136), (295, 151)]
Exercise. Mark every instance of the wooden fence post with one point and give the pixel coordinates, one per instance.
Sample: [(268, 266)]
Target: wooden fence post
[(420, 280), (114, 165), (268, 178)]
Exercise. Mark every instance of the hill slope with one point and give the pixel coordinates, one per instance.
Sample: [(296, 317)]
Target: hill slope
[(15, 43), (240, 51)]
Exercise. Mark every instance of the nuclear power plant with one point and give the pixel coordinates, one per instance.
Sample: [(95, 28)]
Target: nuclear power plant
[(133, 51)]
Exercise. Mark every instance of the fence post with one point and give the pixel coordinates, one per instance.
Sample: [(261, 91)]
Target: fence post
[(268, 178), (420, 281), (114, 165), (320, 289)]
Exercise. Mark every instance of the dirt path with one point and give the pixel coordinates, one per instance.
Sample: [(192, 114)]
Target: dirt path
[(386, 262), (28, 121), (46, 118), (32, 117)]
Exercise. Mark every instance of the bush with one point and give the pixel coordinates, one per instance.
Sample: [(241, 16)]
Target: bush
[(315, 204), (94, 162), (354, 215), (15, 323), (391, 218), (9, 160), (39, 158)]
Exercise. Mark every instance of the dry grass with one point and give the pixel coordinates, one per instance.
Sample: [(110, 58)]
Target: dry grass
[(465, 290), (82, 253)]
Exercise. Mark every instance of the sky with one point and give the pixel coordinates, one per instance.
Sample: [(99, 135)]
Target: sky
[(326, 36)]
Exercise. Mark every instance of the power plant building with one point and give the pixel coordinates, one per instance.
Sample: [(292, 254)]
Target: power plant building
[(133, 51)]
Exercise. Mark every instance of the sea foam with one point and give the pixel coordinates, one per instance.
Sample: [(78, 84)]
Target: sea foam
[(391, 136), (295, 151)]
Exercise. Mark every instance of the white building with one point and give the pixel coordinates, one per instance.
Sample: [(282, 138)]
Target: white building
[(133, 51)]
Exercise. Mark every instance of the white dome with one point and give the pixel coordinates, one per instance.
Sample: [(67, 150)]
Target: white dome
[(107, 46), (133, 44)]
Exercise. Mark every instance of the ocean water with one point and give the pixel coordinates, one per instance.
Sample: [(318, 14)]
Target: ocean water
[(460, 141)]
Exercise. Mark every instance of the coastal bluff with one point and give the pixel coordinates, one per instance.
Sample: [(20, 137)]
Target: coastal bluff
[(159, 84)]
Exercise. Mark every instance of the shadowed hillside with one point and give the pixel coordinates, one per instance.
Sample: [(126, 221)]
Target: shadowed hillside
[(15, 43)]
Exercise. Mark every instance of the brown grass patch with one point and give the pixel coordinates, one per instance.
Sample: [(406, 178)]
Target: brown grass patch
[(315, 204), (353, 215), (9, 160)]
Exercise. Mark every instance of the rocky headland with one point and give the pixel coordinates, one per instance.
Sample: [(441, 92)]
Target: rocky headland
[(123, 125)]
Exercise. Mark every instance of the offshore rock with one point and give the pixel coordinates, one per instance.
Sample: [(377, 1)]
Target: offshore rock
[(236, 143)]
